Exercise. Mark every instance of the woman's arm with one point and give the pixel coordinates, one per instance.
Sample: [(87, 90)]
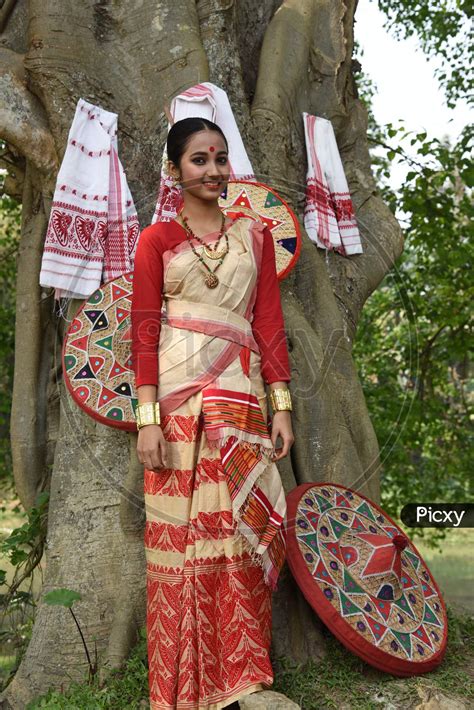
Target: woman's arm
[(146, 311), (278, 385), (268, 324), (269, 331), (147, 393), (146, 326)]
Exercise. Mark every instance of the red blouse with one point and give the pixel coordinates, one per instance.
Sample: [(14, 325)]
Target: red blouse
[(267, 324)]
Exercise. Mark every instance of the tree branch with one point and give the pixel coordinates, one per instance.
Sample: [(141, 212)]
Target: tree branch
[(282, 78), (22, 120), (14, 164), (291, 26), (425, 355), (399, 151)]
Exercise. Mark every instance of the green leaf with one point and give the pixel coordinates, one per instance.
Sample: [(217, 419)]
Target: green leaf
[(63, 597)]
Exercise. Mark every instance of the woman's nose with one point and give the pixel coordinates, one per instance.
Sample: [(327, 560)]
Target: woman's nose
[(213, 170)]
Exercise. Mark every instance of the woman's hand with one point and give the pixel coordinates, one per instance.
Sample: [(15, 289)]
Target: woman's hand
[(281, 426), (151, 448)]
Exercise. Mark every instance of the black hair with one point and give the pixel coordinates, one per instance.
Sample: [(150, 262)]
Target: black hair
[(181, 131)]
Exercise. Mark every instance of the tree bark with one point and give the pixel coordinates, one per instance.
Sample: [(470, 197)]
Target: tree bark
[(275, 59)]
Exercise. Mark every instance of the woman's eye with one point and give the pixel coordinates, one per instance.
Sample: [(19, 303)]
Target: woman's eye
[(223, 160)]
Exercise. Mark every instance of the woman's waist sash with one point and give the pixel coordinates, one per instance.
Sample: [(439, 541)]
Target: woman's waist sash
[(210, 319)]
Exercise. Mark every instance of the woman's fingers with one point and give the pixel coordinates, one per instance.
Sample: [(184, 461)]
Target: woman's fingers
[(151, 449), (164, 457), (277, 454), (156, 462), (151, 460), (282, 451)]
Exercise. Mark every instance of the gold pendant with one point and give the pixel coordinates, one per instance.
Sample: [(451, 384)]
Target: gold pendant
[(211, 280), (215, 255)]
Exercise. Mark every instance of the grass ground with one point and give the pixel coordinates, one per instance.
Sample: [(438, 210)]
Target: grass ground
[(452, 567)]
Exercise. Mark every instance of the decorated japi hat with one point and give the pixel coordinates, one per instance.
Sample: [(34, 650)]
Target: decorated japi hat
[(365, 579), (260, 202), (96, 355)]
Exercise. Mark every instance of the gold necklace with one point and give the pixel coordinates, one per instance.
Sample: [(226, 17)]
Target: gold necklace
[(211, 252), (211, 279)]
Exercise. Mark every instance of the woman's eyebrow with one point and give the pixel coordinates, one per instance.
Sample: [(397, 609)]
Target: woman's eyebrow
[(204, 152)]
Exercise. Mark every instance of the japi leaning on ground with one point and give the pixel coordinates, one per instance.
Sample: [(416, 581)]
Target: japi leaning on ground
[(215, 505)]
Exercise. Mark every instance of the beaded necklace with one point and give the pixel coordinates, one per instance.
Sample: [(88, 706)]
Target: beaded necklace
[(211, 279)]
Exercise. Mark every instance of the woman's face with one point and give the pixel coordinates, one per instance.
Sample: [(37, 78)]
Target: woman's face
[(204, 165)]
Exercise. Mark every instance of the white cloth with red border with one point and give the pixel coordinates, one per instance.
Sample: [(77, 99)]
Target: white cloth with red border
[(93, 227), (329, 216)]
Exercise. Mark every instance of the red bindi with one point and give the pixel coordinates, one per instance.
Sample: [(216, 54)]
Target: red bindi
[(211, 148)]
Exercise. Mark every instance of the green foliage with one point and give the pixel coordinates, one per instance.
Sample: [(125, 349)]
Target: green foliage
[(340, 679), (125, 688), (413, 343), (412, 346), (443, 30), (23, 548), (62, 597), (14, 643), (30, 535)]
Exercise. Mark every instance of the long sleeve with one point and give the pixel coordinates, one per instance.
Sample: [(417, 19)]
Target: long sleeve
[(146, 307), (268, 325)]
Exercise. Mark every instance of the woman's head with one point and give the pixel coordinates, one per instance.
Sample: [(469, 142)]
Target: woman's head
[(198, 156), (181, 132)]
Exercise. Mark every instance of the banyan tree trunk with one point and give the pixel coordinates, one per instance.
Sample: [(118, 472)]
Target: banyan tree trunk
[(275, 59)]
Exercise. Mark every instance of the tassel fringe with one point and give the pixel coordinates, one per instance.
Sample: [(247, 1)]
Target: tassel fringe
[(253, 442)]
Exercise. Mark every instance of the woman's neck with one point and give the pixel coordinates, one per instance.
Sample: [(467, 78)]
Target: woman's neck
[(204, 215)]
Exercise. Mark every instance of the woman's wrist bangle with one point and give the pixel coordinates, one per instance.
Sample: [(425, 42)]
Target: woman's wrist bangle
[(281, 399), (147, 413)]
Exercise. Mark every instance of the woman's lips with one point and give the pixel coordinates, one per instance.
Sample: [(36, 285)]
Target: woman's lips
[(212, 185)]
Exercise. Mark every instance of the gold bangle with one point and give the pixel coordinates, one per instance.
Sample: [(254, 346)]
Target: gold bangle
[(281, 399), (147, 413)]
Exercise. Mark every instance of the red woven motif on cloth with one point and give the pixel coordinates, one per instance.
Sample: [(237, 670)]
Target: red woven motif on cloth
[(343, 208), (208, 647), (208, 617), (93, 228), (318, 197), (179, 427)]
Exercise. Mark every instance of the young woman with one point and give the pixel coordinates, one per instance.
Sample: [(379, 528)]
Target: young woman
[(214, 537)]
